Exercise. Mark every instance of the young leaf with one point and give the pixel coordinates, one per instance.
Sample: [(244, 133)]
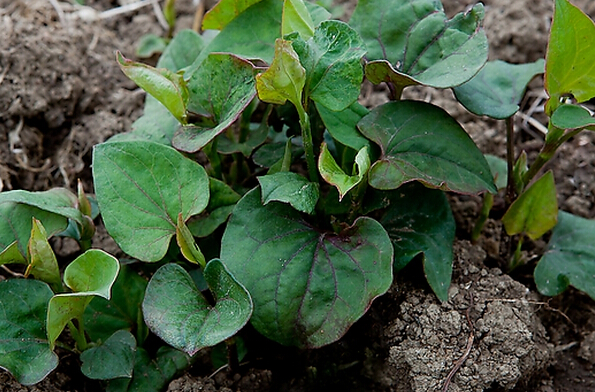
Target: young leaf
[(415, 43), (91, 274), (291, 188), (176, 311), (104, 317), (221, 203), (334, 175), (497, 90), (166, 86), (569, 258), (343, 125), (422, 142), (222, 88), (570, 58), (572, 117), (308, 286), (11, 255), (419, 220), (187, 244), (150, 45), (42, 260), (332, 59), (224, 12), (15, 227), (182, 50), (59, 201), (284, 79), (141, 188), (151, 375), (296, 18), (535, 211), (24, 348), (113, 359)]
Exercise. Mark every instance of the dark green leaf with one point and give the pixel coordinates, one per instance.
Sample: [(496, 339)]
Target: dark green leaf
[(422, 142), (332, 59), (256, 137), (183, 49), (569, 258), (176, 311), (308, 286), (535, 211), (24, 348), (497, 90), (113, 359), (343, 125), (572, 117), (219, 90), (418, 42), (221, 203), (291, 188), (141, 188), (271, 153), (570, 58), (499, 169), (419, 220)]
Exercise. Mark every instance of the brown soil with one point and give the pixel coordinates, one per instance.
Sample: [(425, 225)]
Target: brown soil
[(61, 92)]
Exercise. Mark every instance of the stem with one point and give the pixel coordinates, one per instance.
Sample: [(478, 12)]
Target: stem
[(308, 145), (214, 159), (232, 354), (488, 202), (78, 334), (510, 186), (517, 258)]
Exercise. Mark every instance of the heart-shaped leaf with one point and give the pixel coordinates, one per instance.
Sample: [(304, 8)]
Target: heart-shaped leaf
[(570, 58), (15, 228), (284, 79), (334, 175), (569, 258), (220, 89), (497, 90), (422, 142), (343, 125), (332, 59), (415, 43), (290, 188), (104, 317), (113, 359), (176, 311), (308, 286), (535, 211), (24, 349), (91, 274), (419, 220), (166, 86), (572, 117), (42, 260), (141, 188), (151, 374)]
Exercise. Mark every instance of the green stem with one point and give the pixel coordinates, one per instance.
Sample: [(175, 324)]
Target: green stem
[(210, 151), (78, 334), (488, 202), (308, 145), (517, 258)]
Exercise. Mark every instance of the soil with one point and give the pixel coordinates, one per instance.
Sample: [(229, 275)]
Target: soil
[(61, 92)]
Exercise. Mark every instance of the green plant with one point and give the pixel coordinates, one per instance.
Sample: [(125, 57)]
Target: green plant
[(289, 202)]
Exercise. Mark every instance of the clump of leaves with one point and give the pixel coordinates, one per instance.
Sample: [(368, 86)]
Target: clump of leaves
[(260, 190)]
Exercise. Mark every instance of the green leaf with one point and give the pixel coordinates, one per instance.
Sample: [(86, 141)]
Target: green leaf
[(24, 349), (499, 169), (151, 375), (422, 142), (150, 45), (570, 58), (256, 137), (91, 274), (419, 220), (42, 260), (224, 12), (415, 43), (166, 86), (141, 188), (113, 359), (219, 90), (535, 211), (291, 188), (334, 175), (187, 244), (497, 90), (182, 50), (11, 255), (104, 317), (221, 203), (308, 286), (572, 117), (569, 258), (332, 59), (284, 79), (15, 225), (343, 125), (296, 18), (176, 311), (57, 200)]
